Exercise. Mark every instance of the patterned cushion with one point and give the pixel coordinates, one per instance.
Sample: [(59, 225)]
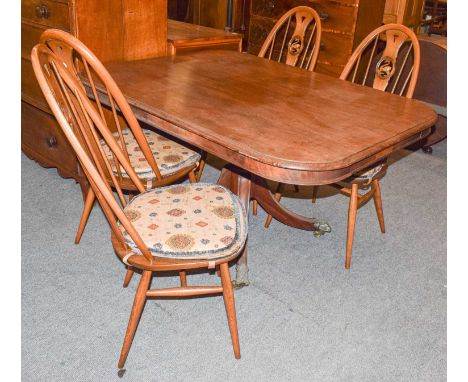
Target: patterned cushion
[(188, 221), (369, 173), (170, 156)]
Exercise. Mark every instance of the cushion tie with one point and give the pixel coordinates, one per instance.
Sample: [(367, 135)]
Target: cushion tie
[(126, 258), (211, 264)]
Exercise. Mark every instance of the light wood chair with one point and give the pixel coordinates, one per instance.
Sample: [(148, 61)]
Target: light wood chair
[(387, 59), (174, 228), (158, 161), (295, 41)]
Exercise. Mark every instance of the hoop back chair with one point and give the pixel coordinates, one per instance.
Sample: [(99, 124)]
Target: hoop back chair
[(295, 39), (134, 224), (387, 59), (157, 160)]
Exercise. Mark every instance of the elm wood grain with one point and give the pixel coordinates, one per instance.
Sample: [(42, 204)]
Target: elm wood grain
[(122, 30), (185, 36), (80, 121)]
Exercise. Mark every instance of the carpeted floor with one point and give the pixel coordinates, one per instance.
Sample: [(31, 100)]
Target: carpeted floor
[(303, 318)]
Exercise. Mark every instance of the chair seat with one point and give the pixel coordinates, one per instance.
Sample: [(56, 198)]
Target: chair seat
[(170, 156), (369, 173), (188, 221)]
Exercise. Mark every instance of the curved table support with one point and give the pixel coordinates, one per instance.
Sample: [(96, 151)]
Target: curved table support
[(248, 186)]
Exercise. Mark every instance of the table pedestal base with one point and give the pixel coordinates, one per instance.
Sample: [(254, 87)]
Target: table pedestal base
[(248, 186)]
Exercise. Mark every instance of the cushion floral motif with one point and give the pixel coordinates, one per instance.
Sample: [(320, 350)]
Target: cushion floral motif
[(170, 156), (369, 173), (188, 221)]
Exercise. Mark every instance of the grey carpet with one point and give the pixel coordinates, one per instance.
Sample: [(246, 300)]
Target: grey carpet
[(303, 318)]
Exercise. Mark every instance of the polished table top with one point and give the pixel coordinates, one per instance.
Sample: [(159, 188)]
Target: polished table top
[(280, 122)]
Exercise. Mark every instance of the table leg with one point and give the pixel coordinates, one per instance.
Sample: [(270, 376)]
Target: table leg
[(262, 194), (248, 186)]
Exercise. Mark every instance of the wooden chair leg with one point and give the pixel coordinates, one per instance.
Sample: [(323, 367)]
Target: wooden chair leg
[(192, 177), (201, 166), (229, 304), (277, 198), (128, 277), (378, 203), (183, 278), (90, 197), (314, 193), (255, 207), (351, 224), (296, 188), (138, 304)]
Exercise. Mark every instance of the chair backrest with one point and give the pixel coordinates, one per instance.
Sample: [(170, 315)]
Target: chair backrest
[(387, 59), (85, 66), (295, 39), (83, 126)]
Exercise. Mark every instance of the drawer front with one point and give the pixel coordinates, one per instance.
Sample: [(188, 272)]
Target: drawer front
[(30, 35), (46, 12), (41, 135), (30, 90)]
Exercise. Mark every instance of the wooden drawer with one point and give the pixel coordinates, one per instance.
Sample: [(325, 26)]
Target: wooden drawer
[(30, 90), (335, 48), (45, 12), (30, 35), (42, 138)]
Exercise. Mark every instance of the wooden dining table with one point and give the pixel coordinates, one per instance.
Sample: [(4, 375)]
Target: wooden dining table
[(270, 121)]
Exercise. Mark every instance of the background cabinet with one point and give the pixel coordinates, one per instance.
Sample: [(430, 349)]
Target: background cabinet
[(406, 12), (112, 29), (344, 24)]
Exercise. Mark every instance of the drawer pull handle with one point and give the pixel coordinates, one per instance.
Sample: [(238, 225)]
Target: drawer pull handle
[(323, 15), (51, 142), (42, 11)]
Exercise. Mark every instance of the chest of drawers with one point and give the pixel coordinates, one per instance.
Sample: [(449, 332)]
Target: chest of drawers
[(344, 24)]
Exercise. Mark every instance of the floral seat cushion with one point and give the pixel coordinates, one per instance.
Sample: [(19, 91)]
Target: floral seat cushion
[(369, 173), (170, 156), (188, 221)]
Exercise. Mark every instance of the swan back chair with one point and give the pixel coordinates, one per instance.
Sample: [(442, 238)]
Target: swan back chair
[(295, 39), (387, 59)]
